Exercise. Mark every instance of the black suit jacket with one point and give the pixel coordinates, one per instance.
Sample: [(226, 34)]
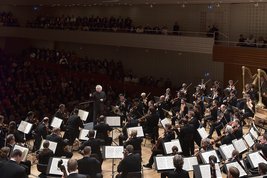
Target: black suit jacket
[(181, 174), (60, 143), (136, 142), (11, 169), (76, 175), (130, 163), (89, 166), (44, 156), (95, 146)]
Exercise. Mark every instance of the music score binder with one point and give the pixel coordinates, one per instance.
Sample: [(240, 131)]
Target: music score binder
[(164, 122), (52, 145), (83, 114), (84, 134), (140, 132), (226, 151), (239, 145), (202, 132), (25, 127), (205, 156), (249, 140), (56, 122), (167, 146), (204, 171), (24, 151), (238, 166), (164, 163), (255, 158), (113, 121), (53, 169), (113, 152)]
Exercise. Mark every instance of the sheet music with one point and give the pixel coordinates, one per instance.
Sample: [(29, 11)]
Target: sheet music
[(25, 127), (89, 126), (189, 163), (205, 171), (53, 169), (218, 171), (237, 165), (249, 140), (239, 145), (84, 134), (24, 151), (254, 133), (165, 121), (227, 151), (56, 122), (168, 146), (113, 121), (140, 132), (202, 132), (113, 152), (52, 145), (83, 114), (205, 156), (255, 159), (164, 162)]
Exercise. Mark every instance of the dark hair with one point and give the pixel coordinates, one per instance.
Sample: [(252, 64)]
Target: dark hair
[(234, 172), (46, 144), (263, 168), (87, 150), (91, 134), (15, 153)]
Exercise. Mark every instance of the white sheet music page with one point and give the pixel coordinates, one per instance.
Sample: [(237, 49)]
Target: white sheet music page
[(113, 121), (227, 150), (205, 171), (56, 122), (140, 132), (54, 169), (218, 171), (254, 133), (189, 163), (83, 134), (24, 151), (25, 127), (237, 165), (164, 122), (202, 132), (164, 162), (168, 146), (83, 114), (256, 158), (207, 154), (114, 151), (249, 140), (239, 145), (52, 145)]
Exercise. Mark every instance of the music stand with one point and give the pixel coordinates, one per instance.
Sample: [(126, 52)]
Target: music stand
[(202, 132), (226, 151), (255, 158), (189, 162), (53, 166), (83, 115), (52, 145), (25, 128), (89, 126), (84, 134), (238, 166), (205, 156), (164, 163), (113, 152), (115, 122), (249, 140), (240, 145), (165, 121)]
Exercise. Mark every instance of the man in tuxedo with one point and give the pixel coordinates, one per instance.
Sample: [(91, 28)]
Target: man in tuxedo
[(72, 169), (94, 144), (135, 142), (99, 98), (233, 172), (41, 132), (45, 154), (178, 163), (130, 163), (12, 169), (89, 166), (73, 126), (103, 130), (61, 143)]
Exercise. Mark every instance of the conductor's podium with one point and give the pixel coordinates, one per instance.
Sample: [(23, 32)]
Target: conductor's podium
[(260, 118)]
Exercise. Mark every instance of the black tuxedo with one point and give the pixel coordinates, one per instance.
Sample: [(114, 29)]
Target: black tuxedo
[(178, 173), (136, 143), (11, 169), (228, 139), (44, 155), (99, 105), (186, 136), (102, 132), (72, 128), (130, 163), (60, 145), (40, 133), (76, 175), (95, 147), (89, 166)]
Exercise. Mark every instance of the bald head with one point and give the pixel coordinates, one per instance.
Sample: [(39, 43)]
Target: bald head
[(72, 165)]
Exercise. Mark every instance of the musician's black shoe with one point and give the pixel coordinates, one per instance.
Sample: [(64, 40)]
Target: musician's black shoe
[(147, 166)]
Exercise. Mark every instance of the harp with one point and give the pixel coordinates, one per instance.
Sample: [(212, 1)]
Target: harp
[(254, 77), (261, 74)]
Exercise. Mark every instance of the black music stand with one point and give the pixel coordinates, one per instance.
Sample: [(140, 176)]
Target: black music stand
[(114, 122)]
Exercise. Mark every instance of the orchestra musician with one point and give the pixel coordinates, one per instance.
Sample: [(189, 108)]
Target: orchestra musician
[(158, 147), (129, 123), (135, 142), (61, 143), (73, 126), (183, 91), (123, 105), (229, 136), (196, 123), (41, 132), (231, 87), (162, 105), (211, 113), (198, 93), (31, 119), (137, 110), (62, 114), (167, 95), (263, 86), (249, 109), (12, 129), (150, 125), (183, 108), (103, 130)]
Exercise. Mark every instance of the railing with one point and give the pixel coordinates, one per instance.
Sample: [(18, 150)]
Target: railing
[(241, 44)]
